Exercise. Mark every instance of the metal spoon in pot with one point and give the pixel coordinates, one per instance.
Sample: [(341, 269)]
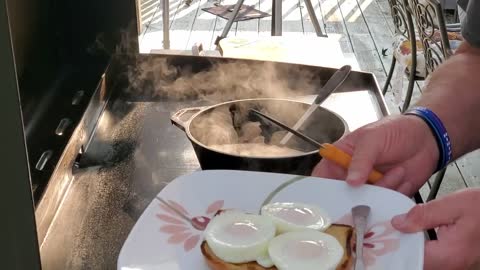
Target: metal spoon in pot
[(326, 150), (332, 84)]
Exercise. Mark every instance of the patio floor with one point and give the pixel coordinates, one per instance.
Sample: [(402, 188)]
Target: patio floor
[(363, 29)]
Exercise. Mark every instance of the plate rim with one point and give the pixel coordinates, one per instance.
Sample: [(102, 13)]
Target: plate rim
[(187, 176)]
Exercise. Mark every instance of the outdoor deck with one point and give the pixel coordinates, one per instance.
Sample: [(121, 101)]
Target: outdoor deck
[(362, 28)]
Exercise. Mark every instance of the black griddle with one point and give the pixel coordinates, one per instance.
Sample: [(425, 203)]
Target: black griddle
[(125, 150)]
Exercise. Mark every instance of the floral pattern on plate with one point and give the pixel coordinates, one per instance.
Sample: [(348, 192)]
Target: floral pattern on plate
[(379, 240), (182, 231), (168, 238)]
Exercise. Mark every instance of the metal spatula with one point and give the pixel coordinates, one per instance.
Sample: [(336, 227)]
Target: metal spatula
[(360, 216), (327, 151), (332, 84)]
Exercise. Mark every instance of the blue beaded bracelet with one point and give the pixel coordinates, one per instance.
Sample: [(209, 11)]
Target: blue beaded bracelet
[(438, 129)]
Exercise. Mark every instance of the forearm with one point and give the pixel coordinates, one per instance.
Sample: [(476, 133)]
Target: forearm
[(453, 93)]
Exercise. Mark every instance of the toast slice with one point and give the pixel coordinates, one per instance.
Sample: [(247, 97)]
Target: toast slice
[(343, 233)]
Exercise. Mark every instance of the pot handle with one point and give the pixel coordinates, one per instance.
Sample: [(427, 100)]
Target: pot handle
[(176, 118)]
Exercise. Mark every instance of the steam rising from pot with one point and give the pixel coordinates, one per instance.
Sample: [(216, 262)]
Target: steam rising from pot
[(222, 82), (156, 77)]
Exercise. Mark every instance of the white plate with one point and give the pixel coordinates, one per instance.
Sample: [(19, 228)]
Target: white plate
[(162, 240)]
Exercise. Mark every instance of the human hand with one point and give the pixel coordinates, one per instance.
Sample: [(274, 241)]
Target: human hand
[(456, 216), (402, 147)]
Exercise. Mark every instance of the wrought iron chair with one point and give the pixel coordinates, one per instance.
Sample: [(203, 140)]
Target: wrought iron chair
[(437, 46), (432, 30), (404, 36), (408, 45)]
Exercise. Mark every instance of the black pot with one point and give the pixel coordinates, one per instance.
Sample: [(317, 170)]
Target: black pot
[(323, 125)]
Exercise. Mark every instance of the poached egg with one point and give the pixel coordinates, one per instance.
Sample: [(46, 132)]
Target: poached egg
[(305, 250), (289, 216), (237, 237)]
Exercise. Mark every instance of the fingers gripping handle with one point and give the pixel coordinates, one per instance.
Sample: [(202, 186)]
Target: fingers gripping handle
[(334, 154)]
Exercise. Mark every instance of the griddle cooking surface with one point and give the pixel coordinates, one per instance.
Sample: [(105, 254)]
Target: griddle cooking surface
[(135, 151)]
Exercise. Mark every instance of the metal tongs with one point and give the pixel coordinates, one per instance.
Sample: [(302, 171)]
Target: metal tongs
[(326, 150), (332, 84)]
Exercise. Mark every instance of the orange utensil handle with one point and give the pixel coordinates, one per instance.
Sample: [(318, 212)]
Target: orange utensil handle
[(332, 153)]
